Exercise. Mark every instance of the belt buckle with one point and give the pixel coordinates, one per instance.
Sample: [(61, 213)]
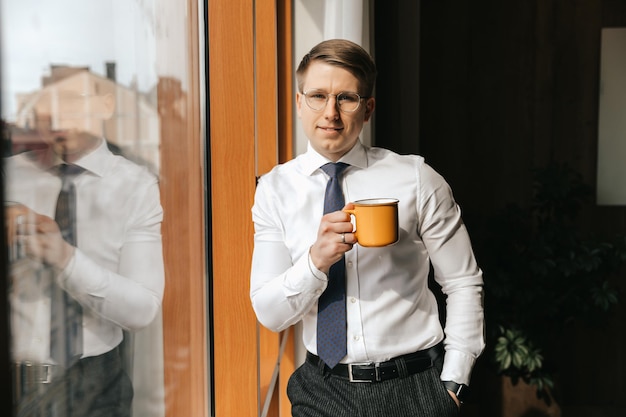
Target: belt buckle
[(37, 373), (351, 375), (46, 376)]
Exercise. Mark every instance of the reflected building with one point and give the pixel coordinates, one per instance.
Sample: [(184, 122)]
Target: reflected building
[(132, 131)]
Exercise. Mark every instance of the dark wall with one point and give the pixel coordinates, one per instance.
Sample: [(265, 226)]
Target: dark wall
[(506, 86), (496, 88), (396, 48)]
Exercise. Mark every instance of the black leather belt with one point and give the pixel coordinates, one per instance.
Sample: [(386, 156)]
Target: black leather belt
[(29, 378), (48, 382), (401, 366)]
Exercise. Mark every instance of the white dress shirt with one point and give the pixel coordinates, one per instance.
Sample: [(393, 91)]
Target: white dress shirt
[(390, 310), (116, 272)]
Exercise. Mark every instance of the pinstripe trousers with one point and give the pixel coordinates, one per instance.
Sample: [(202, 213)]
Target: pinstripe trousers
[(314, 394)]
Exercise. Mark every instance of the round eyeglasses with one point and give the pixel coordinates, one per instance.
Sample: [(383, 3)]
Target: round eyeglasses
[(347, 102)]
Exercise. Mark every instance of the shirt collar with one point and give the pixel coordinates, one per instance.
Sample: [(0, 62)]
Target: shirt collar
[(96, 161), (357, 156)]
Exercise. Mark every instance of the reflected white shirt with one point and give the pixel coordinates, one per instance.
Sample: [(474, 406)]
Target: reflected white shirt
[(390, 310), (117, 271)]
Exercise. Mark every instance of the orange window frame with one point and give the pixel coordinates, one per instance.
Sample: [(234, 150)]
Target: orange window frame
[(247, 42)]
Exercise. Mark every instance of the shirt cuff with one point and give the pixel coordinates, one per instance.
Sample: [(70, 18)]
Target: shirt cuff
[(67, 271), (316, 272), (304, 278), (457, 367)]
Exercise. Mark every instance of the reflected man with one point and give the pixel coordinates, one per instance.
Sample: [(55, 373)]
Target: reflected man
[(108, 267)]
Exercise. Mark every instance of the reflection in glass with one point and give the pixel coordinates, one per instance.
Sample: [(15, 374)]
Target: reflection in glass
[(132, 131), (80, 89)]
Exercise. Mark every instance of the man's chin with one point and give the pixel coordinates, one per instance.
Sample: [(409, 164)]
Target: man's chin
[(64, 151), (61, 148), (68, 146), (333, 149)]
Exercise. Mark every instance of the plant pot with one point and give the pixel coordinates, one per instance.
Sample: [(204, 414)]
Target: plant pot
[(520, 400)]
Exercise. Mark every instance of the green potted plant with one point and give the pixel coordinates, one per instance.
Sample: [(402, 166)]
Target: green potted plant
[(542, 271)]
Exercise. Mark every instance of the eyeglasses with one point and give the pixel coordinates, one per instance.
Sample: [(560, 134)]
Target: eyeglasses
[(347, 102)]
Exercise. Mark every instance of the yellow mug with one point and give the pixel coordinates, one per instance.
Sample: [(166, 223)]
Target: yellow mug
[(376, 221)]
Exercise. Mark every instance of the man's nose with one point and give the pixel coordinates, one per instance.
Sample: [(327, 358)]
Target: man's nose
[(331, 111)]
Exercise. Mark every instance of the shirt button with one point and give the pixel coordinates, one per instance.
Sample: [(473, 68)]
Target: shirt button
[(349, 264), (352, 300), (356, 337)]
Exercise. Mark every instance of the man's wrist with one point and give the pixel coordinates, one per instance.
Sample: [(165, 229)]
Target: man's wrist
[(314, 270), (67, 254), (460, 390)]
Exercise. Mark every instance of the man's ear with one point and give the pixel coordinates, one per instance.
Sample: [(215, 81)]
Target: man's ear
[(370, 104), (299, 97)]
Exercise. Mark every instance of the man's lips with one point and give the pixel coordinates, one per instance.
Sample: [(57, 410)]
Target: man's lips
[(330, 128)]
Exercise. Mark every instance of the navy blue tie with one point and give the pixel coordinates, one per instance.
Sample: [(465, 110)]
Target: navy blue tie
[(66, 342), (331, 314)]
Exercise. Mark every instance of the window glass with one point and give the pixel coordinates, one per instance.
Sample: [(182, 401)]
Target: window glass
[(82, 170)]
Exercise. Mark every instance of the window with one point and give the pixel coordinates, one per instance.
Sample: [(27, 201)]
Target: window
[(128, 72)]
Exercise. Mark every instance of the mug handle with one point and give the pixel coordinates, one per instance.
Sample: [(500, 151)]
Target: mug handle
[(352, 213)]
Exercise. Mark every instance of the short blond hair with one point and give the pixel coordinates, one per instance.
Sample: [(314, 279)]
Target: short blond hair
[(345, 54)]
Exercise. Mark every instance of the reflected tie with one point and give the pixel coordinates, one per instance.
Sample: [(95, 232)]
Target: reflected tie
[(66, 337), (331, 315)]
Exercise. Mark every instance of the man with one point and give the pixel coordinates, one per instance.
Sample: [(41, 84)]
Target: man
[(394, 339), (86, 224)]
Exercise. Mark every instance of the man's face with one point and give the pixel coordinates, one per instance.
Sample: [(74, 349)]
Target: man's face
[(332, 133), (70, 122)]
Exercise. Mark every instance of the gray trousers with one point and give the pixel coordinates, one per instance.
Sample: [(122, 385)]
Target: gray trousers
[(313, 394), (95, 386)]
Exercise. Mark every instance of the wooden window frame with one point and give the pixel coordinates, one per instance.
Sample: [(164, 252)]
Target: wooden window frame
[(249, 57)]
